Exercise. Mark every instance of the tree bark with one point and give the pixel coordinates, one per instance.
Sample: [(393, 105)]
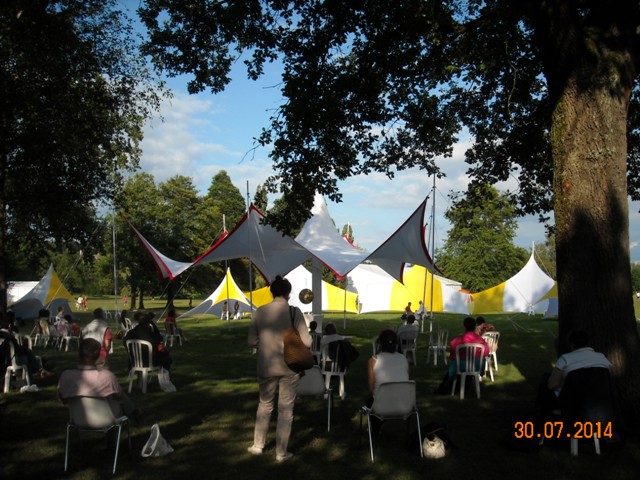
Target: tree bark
[(589, 147)]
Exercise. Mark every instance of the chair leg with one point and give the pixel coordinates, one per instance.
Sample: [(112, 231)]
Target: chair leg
[(463, 382), (419, 434), (115, 460), (477, 378), (453, 387), (66, 449), (596, 443), (7, 380), (370, 436), (328, 411)]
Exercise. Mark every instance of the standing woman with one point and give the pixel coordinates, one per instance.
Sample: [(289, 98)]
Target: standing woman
[(268, 325)]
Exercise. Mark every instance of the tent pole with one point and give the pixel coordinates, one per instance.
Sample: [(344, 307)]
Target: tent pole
[(250, 261), (115, 268), (432, 235), (226, 273)]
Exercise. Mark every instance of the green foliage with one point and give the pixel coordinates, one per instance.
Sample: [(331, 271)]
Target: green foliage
[(635, 277), (380, 86), (260, 199), (226, 197), (75, 93), (546, 255), (479, 251)]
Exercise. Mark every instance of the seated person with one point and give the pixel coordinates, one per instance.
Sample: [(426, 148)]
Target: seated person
[(330, 334), (43, 322), (144, 330), (24, 356), (483, 327), (171, 320), (123, 320), (87, 380), (99, 330), (387, 366), (409, 326), (316, 337), (407, 310), (62, 324), (580, 356), (75, 329), (469, 336)]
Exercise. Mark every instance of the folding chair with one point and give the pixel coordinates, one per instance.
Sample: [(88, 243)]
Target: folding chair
[(393, 401), (96, 415)]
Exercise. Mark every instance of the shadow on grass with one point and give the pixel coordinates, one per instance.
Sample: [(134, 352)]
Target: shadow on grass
[(209, 420)]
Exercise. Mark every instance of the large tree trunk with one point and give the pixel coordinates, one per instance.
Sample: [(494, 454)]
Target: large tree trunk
[(589, 147)]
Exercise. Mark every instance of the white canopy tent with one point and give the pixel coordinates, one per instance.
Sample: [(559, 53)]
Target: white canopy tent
[(47, 293), (521, 293), (228, 291)]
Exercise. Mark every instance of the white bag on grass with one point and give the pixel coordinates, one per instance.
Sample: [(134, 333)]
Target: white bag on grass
[(434, 448), (164, 379), (156, 446)]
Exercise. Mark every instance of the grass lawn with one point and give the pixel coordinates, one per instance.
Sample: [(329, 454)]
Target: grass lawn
[(209, 420)]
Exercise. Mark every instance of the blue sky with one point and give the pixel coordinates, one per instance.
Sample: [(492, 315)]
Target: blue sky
[(203, 134)]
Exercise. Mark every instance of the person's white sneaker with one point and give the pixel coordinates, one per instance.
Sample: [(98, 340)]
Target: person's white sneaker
[(253, 450), (283, 458)]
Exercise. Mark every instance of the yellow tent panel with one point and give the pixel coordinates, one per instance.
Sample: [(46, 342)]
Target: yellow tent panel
[(489, 300)]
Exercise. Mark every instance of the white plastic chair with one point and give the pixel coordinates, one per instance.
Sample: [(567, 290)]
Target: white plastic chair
[(469, 360), (170, 333), (14, 369), (22, 338), (492, 360), (493, 349), (141, 358), (331, 368), (408, 342), (67, 338), (440, 347), (312, 384), (393, 401), (96, 415), (316, 338)]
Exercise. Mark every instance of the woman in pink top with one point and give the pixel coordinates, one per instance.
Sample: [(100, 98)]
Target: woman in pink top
[(469, 336)]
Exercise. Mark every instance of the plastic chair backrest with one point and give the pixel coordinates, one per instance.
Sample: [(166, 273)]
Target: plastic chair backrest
[(170, 328), (395, 399), (14, 359), (336, 355), (443, 337), (316, 338), (140, 353), (586, 395), (407, 340), (91, 412), (469, 357)]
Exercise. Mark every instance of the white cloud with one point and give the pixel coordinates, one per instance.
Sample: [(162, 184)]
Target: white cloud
[(204, 134)]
